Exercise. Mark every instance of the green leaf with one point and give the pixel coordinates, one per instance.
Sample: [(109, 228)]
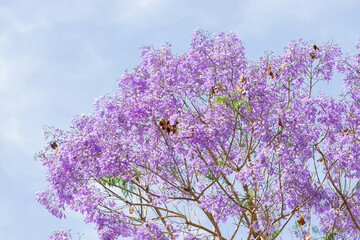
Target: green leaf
[(117, 181), (232, 102), (220, 99)]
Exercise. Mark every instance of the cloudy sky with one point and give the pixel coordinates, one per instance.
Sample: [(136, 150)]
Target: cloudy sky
[(56, 57)]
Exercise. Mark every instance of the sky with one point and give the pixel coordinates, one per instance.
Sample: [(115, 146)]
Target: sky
[(56, 57)]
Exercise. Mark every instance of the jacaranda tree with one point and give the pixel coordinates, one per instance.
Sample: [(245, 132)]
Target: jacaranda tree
[(210, 145)]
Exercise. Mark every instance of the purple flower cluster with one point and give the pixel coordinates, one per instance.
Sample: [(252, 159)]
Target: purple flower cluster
[(60, 235), (196, 143)]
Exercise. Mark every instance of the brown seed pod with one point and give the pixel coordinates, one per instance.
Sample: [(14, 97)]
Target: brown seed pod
[(312, 55), (53, 145), (280, 123), (301, 220), (162, 122), (168, 122), (238, 88), (137, 179), (242, 78), (268, 69), (212, 90), (315, 47), (174, 129), (308, 238), (131, 210), (271, 74), (322, 159)]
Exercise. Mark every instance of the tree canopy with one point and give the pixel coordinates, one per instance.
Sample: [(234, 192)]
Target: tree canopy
[(210, 145)]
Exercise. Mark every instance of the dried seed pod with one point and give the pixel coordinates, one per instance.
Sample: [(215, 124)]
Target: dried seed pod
[(308, 238), (315, 47), (242, 78), (271, 74), (168, 122), (238, 88), (174, 129), (168, 130), (212, 90), (53, 145), (301, 220), (268, 69), (322, 159), (280, 123), (131, 210), (162, 122), (312, 55)]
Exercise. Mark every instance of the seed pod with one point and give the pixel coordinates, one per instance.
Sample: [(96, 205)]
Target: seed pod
[(271, 74), (301, 220), (315, 47), (162, 122), (280, 123), (238, 88), (53, 145), (212, 90), (308, 238), (242, 78), (322, 158), (131, 210), (312, 55), (268, 69), (168, 122)]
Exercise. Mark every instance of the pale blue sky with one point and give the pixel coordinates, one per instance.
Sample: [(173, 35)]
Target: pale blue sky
[(56, 57)]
